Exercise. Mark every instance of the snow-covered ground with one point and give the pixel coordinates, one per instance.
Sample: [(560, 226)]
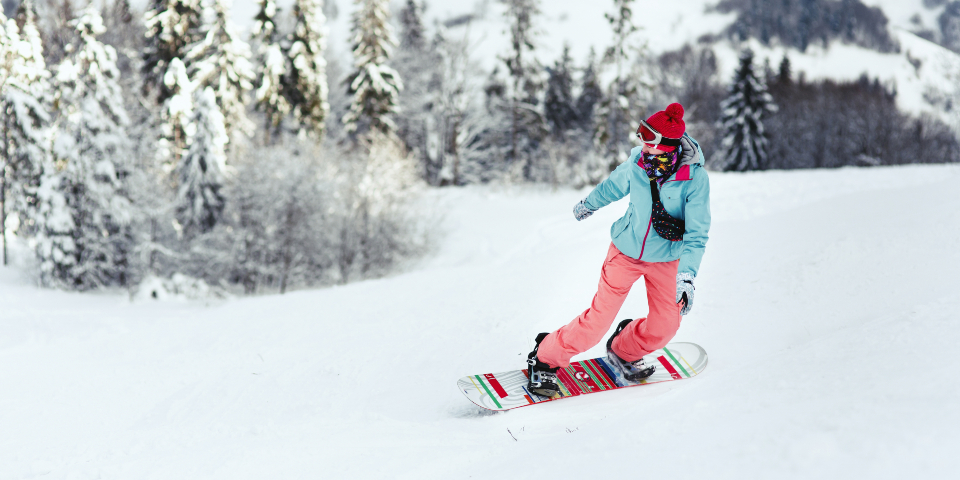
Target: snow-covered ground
[(827, 301)]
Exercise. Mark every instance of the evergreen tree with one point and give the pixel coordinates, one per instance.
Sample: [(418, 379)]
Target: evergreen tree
[(264, 26), (453, 119), (271, 69), (222, 61), (614, 119), (128, 36), (412, 35), (784, 71), (949, 21), (591, 94), (374, 85), (175, 113), (527, 126), (84, 236), (199, 201), (744, 145), (558, 104), (421, 66), (24, 102), (172, 26), (59, 31), (809, 14), (306, 81)]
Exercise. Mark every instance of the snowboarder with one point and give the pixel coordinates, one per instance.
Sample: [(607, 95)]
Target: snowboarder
[(661, 238)]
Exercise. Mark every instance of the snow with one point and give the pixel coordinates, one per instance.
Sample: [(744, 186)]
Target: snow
[(826, 301), (899, 12)]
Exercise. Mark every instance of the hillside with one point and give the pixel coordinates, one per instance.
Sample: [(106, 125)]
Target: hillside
[(918, 65), (826, 301)]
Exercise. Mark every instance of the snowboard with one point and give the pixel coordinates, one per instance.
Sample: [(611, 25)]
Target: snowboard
[(508, 390)]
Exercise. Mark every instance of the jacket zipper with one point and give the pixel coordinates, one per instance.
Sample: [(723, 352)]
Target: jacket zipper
[(643, 245)]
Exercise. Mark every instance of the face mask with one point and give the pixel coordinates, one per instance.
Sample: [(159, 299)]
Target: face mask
[(660, 166)]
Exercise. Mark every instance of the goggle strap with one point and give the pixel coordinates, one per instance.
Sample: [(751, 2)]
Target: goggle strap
[(670, 142)]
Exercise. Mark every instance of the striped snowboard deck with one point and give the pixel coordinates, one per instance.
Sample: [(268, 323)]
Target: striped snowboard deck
[(508, 390)]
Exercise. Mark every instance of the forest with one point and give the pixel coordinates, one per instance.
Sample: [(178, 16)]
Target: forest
[(165, 146)]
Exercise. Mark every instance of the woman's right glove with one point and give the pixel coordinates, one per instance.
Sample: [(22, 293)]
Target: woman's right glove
[(685, 291), (581, 211)]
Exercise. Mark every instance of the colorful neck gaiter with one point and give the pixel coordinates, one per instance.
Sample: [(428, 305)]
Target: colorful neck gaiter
[(660, 167)]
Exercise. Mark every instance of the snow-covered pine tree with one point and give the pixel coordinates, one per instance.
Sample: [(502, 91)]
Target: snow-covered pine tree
[(271, 69), (374, 85), (591, 94), (558, 104), (199, 201), (9, 41), (420, 65), (222, 61), (744, 145), (453, 119), (264, 25), (485, 151), (306, 80), (172, 26), (614, 118), (84, 235), (527, 126), (175, 113), (25, 104), (57, 28)]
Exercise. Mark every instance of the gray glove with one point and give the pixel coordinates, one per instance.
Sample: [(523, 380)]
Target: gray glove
[(685, 291), (581, 211)]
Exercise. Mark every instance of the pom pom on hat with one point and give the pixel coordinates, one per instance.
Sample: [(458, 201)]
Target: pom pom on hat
[(675, 112), (669, 123)]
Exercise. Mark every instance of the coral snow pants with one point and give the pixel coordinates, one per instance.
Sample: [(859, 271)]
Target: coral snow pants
[(641, 336)]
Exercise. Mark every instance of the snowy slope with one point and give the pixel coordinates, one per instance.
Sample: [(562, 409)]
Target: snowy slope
[(901, 12), (827, 301)]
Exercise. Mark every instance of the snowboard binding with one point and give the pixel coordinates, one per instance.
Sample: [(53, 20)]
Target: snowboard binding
[(541, 378), (635, 371)]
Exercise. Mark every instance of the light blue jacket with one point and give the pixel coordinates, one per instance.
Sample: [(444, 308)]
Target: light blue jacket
[(685, 195)]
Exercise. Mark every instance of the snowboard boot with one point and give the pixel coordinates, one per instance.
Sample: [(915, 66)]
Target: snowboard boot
[(632, 371), (541, 378)]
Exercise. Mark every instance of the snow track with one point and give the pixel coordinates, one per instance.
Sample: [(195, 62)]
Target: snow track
[(827, 302)]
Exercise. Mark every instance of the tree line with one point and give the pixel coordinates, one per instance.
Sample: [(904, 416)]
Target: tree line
[(165, 145), (771, 120)]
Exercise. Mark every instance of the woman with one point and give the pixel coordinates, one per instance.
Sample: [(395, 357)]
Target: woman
[(661, 238)]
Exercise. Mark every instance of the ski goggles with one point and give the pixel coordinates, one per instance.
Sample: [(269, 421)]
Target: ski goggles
[(651, 136)]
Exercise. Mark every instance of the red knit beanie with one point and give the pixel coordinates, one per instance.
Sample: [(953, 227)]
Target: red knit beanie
[(669, 123)]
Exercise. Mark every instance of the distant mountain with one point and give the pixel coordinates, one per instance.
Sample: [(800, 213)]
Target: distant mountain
[(800, 23), (824, 39)]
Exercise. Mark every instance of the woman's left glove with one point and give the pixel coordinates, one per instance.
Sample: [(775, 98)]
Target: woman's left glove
[(685, 291), (581, 211)]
